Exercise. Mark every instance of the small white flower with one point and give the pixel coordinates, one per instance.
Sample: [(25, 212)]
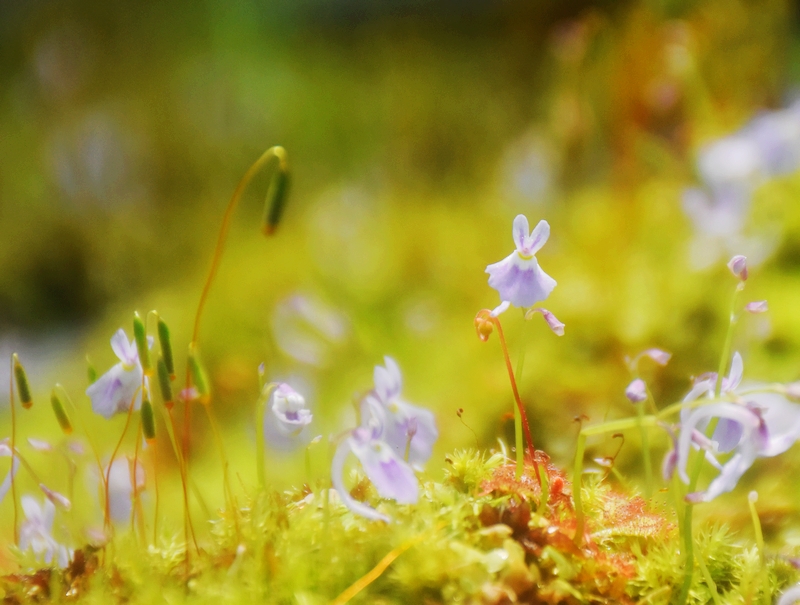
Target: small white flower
[(35, 533)]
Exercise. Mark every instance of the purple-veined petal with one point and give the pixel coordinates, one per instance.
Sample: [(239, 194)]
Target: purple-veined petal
[(522, 282), (393, 478), (537, 239), (520, 231), (699, 417), (398, 417), (337, 478)]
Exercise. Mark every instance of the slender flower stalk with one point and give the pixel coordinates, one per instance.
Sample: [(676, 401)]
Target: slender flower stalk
[(484, 321), (276, 198), (13, 449), (740, 271)]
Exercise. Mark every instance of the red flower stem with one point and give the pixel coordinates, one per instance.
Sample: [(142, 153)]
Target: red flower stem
[(531, 450)]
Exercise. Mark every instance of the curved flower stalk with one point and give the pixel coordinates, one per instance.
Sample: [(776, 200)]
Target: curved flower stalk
[(115, 390), (36, 533), (393, 478), (408, 429), (518, 278)]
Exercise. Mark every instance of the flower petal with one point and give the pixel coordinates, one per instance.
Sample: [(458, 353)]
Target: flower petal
[(520, 231), (538, 238), (124, 349), (392, 477), (736, 371), (337, 478), (394, 372)]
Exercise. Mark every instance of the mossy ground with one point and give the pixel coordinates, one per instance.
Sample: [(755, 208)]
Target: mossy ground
[(478, 536)]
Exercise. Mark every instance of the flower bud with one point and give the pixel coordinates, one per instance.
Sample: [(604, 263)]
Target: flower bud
[(148, 421), (636, 391), (738, 266), (140, 335), (165, 342), (483, 327), (660, 356), (552, 321), (164, 382), (757, 306), (276, 198), (55, 497), (60, 412), (23, 386), (198, 376)]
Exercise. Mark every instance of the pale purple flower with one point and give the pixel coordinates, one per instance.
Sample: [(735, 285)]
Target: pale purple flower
[(757, 306), (731, 161), (660, 356), (727, 432), (36, 533), (518, 277), (121, 386), (56, 498), (776, 134), (399, 417), (790, 596), (392, 477), (738, 266), (289, 409), (768, 425), (636, 391)]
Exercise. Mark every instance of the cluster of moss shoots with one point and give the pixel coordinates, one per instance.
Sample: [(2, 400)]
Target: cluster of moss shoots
[(491, 532)]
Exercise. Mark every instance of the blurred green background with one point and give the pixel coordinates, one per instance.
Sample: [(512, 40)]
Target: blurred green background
[(416, 131)]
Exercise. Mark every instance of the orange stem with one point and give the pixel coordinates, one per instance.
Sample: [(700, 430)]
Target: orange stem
[(111, 462), (486, 314)]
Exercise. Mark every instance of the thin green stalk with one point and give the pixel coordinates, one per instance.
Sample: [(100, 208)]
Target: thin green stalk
[(712, 586), (699, 457), (614, 426), (648, 466), (752, 498), (517, 415)]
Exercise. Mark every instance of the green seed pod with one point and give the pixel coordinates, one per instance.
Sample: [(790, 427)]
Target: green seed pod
[(198, 376), (165, 341), (276, 199), (164, 382), (91, 372), (140, 334), (148, 420), (23, 386), (60, 411)]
